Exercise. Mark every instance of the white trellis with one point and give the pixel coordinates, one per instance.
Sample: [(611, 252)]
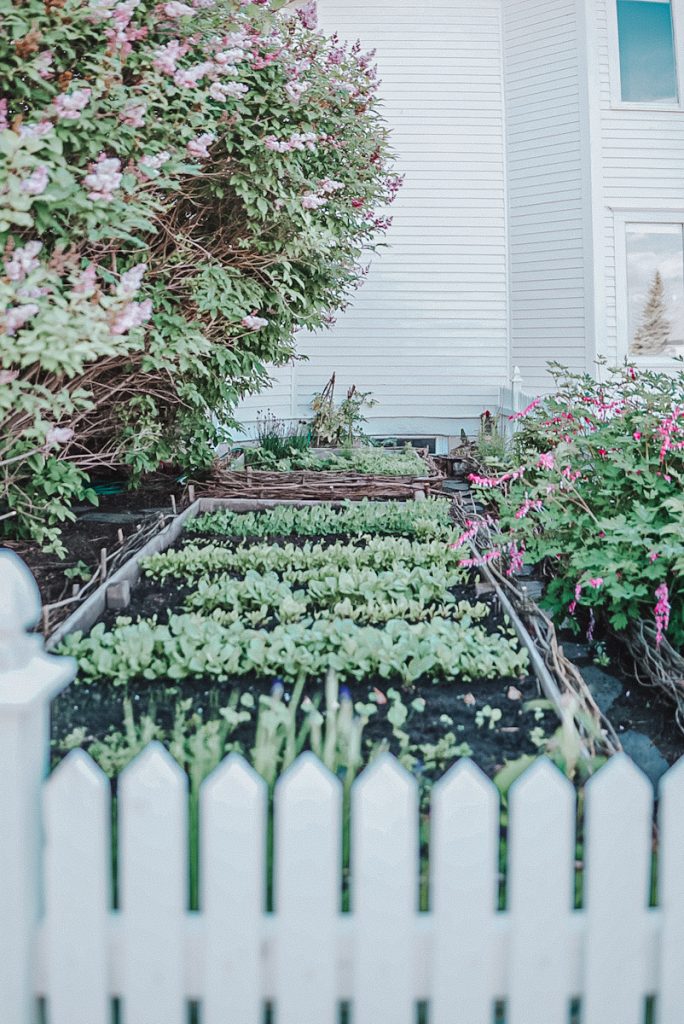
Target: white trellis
[(513, 400), (61, 941)]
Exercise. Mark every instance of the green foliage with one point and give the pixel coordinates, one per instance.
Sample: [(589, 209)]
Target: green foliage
[(598, 497), (361, 595), (339, 425), (177, 196), (371, 461), (412, 518), (192, 647), (299, 564)]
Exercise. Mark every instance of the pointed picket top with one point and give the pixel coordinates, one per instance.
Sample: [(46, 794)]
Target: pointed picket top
[(386, 779), (541, 783), (234, 783), (620, 779), (672, 782), (79, 778), (154, 768), (465, 784), (307, 776)]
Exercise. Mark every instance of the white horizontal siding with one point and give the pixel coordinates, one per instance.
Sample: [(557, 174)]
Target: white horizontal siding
[(427, 334), (546, 186), (642, 156)]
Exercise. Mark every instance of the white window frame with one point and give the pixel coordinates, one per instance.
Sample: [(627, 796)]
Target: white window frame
[(622, 218), (617, 102)]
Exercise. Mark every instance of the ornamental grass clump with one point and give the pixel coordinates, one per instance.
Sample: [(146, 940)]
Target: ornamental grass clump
[(598, 496), (182, 187)]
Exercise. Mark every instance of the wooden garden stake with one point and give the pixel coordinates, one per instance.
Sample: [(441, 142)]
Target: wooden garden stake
[(120, 536), (173, 505), (191, 494), (103, 563)]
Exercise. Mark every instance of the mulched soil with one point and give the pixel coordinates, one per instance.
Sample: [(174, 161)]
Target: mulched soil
[(85, 538)]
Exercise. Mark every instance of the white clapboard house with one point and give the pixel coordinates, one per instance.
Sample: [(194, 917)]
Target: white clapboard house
[(543, 212)]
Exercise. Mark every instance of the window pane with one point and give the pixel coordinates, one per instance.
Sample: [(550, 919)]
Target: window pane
[(655, 286), (647, 52)]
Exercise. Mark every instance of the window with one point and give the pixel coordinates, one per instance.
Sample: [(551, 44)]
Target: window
[(648, 70), (655, 289)]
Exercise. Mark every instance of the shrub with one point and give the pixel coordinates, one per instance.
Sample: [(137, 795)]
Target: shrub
[(182, 188), (597, 494)]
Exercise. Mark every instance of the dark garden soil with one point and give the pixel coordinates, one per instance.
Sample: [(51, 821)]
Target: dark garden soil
[(97, 527), (100, 710)]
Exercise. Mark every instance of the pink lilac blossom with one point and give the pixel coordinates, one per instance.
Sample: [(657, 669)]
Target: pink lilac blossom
[(131, 280), (328, 185), (295, 90), (103, 178), (18, 316), (662, 612), (198, 147), (69, 106), (226, 58), (312, 202), (44, 64), (23, 261), (153, 163), (221, 91), (37, 181), (167, 57), (189, 78), (254, 323), (86, 282), (58, 435), (133, 314), (35, 130), (133, 115), (177, 10), (308, 15)]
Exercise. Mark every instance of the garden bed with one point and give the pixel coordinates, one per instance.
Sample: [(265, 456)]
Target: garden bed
[(232, 631)]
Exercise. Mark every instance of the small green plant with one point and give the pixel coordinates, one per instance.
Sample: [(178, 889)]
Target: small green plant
[(339, 425), (492, 716), (491, 444), (365, 460)]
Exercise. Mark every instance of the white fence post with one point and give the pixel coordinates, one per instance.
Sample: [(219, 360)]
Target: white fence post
[(29, 679)]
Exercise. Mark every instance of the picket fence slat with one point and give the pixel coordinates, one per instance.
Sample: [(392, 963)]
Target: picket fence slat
[(233, 810), (384, 880), (153, 830), (308, 869), (671, 894), (618, 844), (464, 885), (77, 868), (540, 895)]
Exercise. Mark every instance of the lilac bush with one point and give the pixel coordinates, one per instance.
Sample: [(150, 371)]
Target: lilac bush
[(182, 188)]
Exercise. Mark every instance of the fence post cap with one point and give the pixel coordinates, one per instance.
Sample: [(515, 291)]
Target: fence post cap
[(27, 674)]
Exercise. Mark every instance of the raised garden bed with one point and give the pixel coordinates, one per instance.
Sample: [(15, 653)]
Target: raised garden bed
[(250, 611)]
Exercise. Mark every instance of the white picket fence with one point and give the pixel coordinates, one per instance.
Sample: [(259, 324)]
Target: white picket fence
[(61, 942), (512, 400)]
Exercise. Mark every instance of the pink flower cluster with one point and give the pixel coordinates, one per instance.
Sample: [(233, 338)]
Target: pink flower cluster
[(16, 317), (662, 612), (526, 412), (528, 506), (103, 178), (131, 280), (198, 148), (471, 563), (133, 314), (667, 430), (470, 532), (37, 181), (595, 583), (23, 261), (308, 15), (133, 115), (517, 558), (254, 323), (295, 90), (69, 106), (298, 141), (496, 481), (313, 202)]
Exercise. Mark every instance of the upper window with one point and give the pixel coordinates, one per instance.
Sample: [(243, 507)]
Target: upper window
[(648, 69), (655, 289)]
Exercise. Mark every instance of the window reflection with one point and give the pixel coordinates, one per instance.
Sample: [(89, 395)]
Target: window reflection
[(647, 52), (655, 288)]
